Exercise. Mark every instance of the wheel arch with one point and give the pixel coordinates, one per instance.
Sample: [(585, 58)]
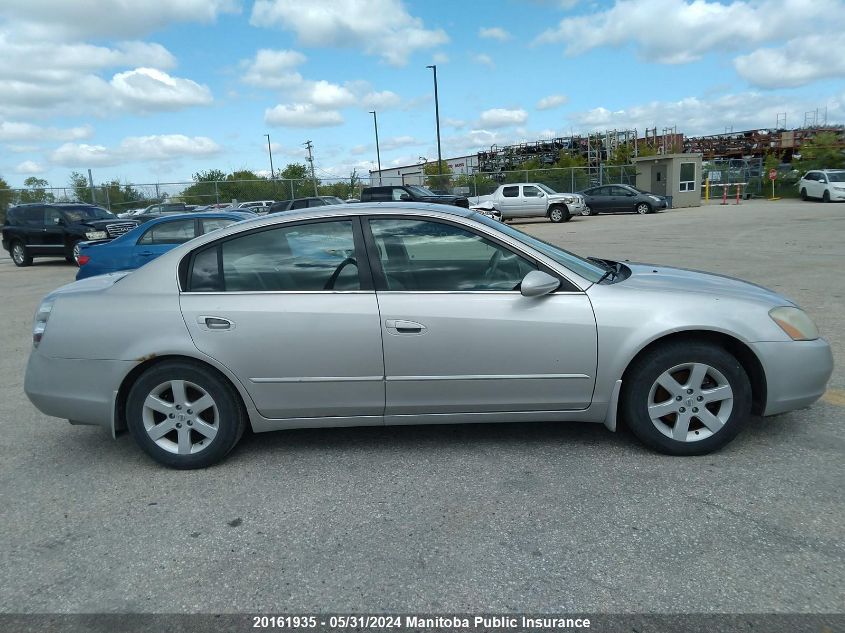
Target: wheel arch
[(737, 348), (557, 205), (122, 394)]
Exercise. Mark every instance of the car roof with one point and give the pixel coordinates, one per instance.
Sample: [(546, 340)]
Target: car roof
[(371, 208), (206, 214)]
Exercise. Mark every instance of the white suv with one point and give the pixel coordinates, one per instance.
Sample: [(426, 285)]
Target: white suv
[(826, 184)]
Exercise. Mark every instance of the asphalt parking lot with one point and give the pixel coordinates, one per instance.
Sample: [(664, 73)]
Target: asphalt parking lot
[(535, 517)]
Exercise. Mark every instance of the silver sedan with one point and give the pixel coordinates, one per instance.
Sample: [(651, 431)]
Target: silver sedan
[(374, 314)]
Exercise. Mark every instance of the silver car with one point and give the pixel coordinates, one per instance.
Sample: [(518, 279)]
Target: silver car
[(374, 314)]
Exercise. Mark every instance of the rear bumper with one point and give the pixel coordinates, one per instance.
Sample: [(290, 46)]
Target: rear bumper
[(79, 390), (797, 373)]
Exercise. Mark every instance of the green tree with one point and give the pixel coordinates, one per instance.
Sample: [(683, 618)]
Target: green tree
[(433, 177), (79, 183), (296, 182), (7, 198), (825, 151), (36, 191)]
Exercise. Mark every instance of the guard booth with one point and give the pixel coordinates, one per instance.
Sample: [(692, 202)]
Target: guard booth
[(676, 176)]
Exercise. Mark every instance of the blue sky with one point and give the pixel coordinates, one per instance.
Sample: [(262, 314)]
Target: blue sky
[(154, 91)]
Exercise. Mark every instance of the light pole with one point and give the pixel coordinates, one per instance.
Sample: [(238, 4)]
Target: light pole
[(378, 155), (437, 118), (272, 173)]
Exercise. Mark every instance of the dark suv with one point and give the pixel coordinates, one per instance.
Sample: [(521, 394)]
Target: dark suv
[(55, 230), (410, 193)]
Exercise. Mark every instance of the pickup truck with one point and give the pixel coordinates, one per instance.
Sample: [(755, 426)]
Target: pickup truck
[(409, 193), (531, 200)]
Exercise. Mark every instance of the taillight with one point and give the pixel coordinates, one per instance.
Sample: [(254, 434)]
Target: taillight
[(41, 317), (83, 259)]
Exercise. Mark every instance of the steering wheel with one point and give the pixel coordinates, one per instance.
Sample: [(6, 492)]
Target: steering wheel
[(331, 281), (493, 266)]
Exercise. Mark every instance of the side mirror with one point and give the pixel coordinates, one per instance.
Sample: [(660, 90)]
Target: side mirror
[(59, 221), (541, 195), (405, 197), (537, 283)]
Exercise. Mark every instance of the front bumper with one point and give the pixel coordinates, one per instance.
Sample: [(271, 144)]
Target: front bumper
[(796, 372), (80, 390), (577, 207), (836, 195)]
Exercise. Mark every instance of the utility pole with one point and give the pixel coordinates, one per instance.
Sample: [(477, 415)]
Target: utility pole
[(311, 161), (437, 119), (91, 184), (378, 155), (272, 173)]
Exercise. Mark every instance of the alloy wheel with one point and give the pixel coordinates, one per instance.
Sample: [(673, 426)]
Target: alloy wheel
[(76, 253), (642, 208), (690, 402), (18, 254), (556, 215), (181, 417)]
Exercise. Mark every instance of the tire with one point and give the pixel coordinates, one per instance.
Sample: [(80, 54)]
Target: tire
[(19, 254), (643, 208), (727, 411), (826, 196), (215, 429), (559, 214), (73, 258), (803, 194), (587, 212)]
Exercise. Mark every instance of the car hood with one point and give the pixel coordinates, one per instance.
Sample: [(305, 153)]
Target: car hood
[(100, 224), (664, 278), (561, 196)]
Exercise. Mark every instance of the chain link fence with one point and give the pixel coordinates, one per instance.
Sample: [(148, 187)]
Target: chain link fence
[(125, 197)]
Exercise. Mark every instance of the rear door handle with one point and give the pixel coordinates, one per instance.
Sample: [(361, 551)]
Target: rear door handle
[(146, 253), (215, 323), (404, 327)]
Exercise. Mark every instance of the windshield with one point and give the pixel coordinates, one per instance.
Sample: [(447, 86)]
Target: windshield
[(836, 176), (546, 188), (585, 268), (421, 191), (77, 214), (332, 200)]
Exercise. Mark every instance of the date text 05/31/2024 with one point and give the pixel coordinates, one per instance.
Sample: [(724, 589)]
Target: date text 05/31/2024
[(418, 622)]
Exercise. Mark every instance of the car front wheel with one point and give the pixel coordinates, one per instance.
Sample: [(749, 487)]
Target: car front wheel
[(184, 415), (559, 214), (686, 399), (826, 196), (642, 208), (587, 211), (803, 194)]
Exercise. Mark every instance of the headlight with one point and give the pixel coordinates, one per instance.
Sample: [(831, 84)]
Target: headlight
[(569, 200), (655, 198), (41, 317), (795, 323), (840, 188), (96, 235)]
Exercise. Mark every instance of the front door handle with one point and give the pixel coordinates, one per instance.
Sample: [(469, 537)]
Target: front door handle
[(404, 327), (215, 323)]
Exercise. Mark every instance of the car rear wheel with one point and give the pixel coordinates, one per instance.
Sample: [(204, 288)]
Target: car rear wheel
[(19, 254), (804, 194), (642, 208), (559, 214), (686, 398), (184, 415)]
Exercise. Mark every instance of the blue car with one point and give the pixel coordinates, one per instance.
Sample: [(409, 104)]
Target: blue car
[(149, 240)]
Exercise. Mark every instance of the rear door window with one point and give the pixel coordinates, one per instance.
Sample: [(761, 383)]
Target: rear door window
[(175, 232)]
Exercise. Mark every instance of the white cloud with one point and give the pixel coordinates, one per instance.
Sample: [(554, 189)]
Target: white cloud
[(455, 123), (148, 89), (484, 60), (42, 78), (697, 115), (552, 101), (161, 147), (494, 33), (381, 100), (112, 18), (501, 117), (396, 142), (324, 94), (689, 29), (19, 131), (801, 61), (273, 68), (301, 115), (440, 58), (378, 27), (29, 167)]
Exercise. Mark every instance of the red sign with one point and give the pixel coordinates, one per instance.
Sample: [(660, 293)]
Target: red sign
[(773, 174)]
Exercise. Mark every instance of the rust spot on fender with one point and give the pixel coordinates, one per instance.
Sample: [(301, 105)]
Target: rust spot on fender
[(143, 359)]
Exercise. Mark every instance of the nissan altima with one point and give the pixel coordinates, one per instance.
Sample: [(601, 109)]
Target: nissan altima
[(386, 313)]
